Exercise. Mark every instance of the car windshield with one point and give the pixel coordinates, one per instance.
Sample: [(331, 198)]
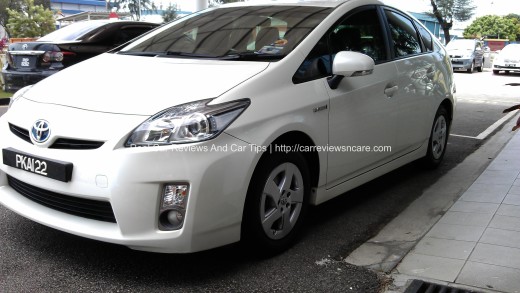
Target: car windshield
[(461, 45), (256, 33), (72, 32), (511, 50)]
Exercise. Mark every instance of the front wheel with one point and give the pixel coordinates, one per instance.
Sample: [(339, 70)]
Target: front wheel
[(472, 67), (276, 203), (496, 71), (438, 139)]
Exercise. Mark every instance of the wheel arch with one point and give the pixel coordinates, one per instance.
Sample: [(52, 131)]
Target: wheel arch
[(311, 157), (448, 105)]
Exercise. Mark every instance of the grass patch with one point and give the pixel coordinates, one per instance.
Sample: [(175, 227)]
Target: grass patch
[(5, 95)]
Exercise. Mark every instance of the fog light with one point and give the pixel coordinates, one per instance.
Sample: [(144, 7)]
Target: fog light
[(173, 206)]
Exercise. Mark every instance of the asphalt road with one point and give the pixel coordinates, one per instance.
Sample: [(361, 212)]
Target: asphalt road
[(36, 258)]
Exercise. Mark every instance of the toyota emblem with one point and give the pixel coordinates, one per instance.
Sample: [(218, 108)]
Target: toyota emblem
[(40, 131)]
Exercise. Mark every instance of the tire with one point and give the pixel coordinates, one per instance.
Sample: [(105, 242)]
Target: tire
[(438, 139), (472, 67), (496, 71), (481, 67), (276, 203)]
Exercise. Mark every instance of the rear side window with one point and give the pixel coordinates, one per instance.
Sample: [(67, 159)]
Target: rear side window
[(125, 34), (404, 36), (426, 38)]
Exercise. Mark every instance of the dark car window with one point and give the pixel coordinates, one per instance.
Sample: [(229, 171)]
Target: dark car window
[(404, 36), (360, 31), (235, 32), (126, 34), (73, 31), (426, 37)]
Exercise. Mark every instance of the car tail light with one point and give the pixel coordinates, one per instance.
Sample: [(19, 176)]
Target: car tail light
[(52, 56)]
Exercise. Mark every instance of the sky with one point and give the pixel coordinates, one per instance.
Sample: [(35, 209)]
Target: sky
[(484, 7)]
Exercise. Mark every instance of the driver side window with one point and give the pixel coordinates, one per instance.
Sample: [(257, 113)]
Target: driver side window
[(360, 31)]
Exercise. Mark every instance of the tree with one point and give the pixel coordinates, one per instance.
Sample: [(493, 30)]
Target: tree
[(135, 6), (220, 2), (4, 16), (30, 21), (516, 20), (170, 13), (446, 11), (492, 26)]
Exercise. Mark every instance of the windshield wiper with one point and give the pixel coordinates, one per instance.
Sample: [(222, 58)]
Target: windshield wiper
[(165, 54), (137, 53), (186, 54), (253, 56)]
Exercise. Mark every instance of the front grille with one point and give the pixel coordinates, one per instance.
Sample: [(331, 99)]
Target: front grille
[(20, 132), (81, 207), (75, 144), (60, 143)]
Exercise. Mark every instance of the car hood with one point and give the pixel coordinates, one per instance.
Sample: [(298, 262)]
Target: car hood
[(140, 85)]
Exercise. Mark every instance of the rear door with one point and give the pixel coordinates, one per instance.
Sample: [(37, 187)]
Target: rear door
[(415, 71)]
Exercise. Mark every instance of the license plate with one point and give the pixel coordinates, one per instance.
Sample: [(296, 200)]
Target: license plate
[(25, 61), (58, 170)]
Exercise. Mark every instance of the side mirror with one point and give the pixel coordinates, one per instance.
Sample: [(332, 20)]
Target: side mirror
[(350, 64)]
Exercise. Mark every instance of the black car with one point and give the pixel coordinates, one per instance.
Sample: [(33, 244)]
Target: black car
[(30, 62)]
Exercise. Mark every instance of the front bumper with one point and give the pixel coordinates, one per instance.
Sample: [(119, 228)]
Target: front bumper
[(461, 63), (15, 80), (507, 67), (132, 180)]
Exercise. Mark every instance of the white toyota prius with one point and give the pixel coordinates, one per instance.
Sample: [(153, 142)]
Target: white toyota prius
[(227, 124)]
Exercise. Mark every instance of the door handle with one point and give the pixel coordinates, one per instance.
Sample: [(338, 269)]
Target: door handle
[(390, 91)]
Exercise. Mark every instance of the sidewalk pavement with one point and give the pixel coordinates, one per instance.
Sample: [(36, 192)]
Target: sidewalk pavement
[(473, 245)]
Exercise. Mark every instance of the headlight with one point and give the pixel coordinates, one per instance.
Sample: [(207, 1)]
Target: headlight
[(186, 123), (17, 95)]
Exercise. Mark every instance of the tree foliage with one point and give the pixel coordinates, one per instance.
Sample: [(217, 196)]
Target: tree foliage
[(17, 6), (220, 2), (134, 6), (30, 20), (493, 26), (170, 13), (446, 11)]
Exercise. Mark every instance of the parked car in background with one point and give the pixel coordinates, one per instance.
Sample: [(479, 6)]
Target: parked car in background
[(466, 54), (232, 121), (507, 60), (30, 62)]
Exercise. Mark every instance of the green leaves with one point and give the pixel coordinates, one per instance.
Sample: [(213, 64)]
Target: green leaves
[(493, 26), (170, 13), (30, 21), (446, 11)]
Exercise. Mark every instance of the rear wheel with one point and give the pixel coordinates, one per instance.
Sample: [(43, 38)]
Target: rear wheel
[(438, 139), (276, 203), (479, 69)]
